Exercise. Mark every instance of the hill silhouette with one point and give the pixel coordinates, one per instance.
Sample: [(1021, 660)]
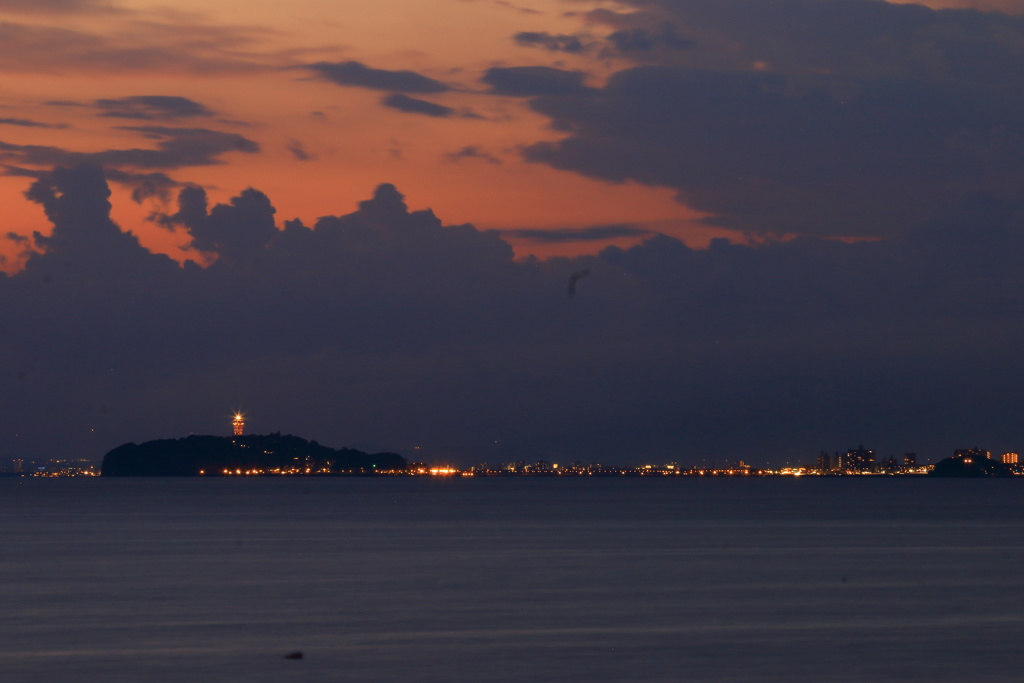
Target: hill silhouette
[(218, 456), (970, 466)]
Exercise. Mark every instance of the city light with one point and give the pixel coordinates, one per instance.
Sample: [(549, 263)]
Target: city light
[(258, 456)]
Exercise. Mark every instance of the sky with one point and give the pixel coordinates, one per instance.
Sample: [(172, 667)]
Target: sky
[(492, 230)]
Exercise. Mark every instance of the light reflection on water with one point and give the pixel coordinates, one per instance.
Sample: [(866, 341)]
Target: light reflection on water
[(511, 580)]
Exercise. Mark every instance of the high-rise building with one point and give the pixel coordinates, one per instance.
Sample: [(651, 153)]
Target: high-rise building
[(1009, 458), (910, 459), (859, 460), (238, 424), (824, 462), (889, 465), (971, 453)]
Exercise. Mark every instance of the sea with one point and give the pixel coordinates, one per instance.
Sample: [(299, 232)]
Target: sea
[(511, 579)]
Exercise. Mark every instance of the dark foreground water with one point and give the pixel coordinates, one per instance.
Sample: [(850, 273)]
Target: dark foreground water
[(511, 580)]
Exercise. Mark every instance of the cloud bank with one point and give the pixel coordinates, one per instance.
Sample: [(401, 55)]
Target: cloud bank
[(855, 118), (386, 326)]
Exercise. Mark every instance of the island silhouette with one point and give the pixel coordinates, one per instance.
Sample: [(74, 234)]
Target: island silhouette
[(270, 454), (967, 465)]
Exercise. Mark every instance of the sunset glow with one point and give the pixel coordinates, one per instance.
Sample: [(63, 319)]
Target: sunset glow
[(514, 229), (70, 84)]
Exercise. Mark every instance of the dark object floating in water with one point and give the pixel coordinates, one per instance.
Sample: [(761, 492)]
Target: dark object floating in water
[(294, 655)]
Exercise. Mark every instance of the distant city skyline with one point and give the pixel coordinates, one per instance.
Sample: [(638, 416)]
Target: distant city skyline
[(859, 460)]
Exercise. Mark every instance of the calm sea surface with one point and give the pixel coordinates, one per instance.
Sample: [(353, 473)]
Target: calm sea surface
[(214, 580)]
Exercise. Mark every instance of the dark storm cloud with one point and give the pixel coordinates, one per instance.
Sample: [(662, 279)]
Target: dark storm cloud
[(597, 233), (152, 107), (764, 153), (411, 105), (555, 42), (847, 117), (386, 325), (28, 123), (530, 81), (861, 39), (176, 148), (361, 76)]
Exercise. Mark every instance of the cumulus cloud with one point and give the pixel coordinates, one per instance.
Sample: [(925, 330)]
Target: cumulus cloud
[(529, 81), (412, 105), (386, 325), (84, 240), (144, 185), (359, 75), (152, 107), (237, 232)]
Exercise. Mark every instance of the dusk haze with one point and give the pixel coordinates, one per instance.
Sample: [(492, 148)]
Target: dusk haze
[(512, 340), (358, 220)]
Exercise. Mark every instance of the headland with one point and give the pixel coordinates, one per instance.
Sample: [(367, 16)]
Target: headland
[(253, 455)]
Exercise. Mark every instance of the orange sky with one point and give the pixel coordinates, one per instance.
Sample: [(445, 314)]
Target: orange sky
[(238, 59), (351, 141)]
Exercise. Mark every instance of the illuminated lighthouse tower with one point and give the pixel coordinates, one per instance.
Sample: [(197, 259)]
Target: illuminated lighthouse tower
[(238, 424)]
